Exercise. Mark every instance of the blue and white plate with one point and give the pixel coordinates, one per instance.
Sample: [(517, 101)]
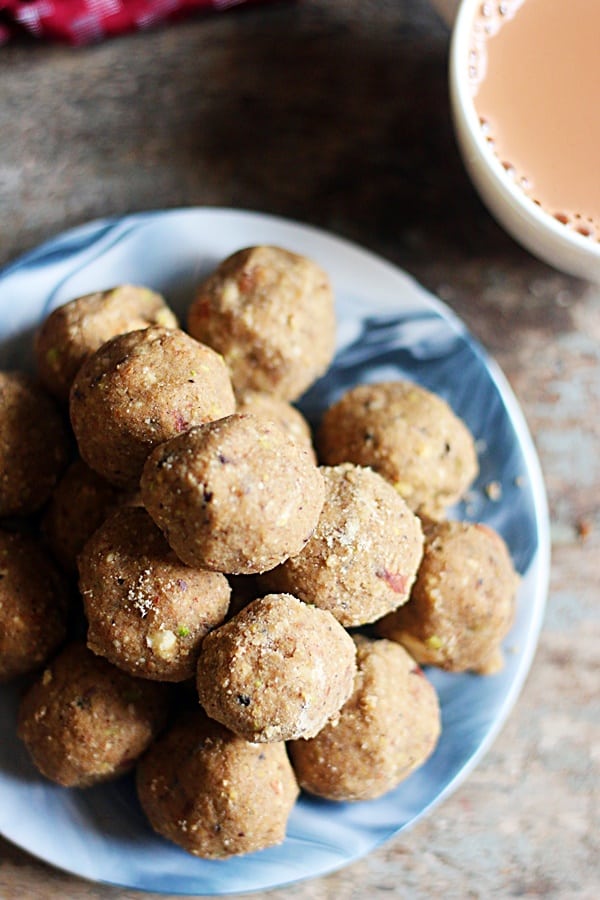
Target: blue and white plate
[(389, 327)]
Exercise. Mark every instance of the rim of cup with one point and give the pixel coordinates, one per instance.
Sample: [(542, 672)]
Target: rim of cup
[(530, 224)]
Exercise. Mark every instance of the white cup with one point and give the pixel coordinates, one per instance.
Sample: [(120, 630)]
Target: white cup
[(534, 228)]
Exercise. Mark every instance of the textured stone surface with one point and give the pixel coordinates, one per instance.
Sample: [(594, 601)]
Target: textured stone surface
[(337, 114)]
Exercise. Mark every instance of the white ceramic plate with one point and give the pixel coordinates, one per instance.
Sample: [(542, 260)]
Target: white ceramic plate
[(389, 327)]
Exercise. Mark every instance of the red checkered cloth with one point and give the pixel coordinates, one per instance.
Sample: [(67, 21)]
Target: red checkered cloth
[(88, 21)]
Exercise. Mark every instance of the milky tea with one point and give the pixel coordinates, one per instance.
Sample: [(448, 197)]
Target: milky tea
[(534, 69)]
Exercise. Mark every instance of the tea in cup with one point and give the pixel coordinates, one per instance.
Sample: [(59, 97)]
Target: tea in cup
[(525, 96)]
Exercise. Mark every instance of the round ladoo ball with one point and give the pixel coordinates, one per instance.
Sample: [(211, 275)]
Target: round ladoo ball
[(236, 496), (147, 611), (84, 722), (34, 445), (271, 314), (363, 557), (33, 605), (267, 406), (462, 604), (213, 793), (77, 329), (140, 389), (387, 729), (277, 671), (80, 503), (407, 434)]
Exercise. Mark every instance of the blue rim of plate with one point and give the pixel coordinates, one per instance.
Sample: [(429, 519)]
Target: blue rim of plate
[(389, 327)]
